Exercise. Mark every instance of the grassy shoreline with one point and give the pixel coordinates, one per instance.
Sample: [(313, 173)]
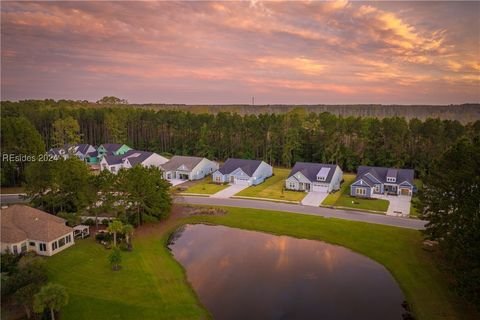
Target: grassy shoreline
[(154, 285)]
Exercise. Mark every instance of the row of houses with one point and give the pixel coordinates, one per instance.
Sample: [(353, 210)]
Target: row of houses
[(304, 176)]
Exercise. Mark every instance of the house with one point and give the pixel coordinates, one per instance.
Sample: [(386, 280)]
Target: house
[(317, 177), (243, 171), (114, 163), (188, 168), (82, 150), (112, 149), (79, 150), (380, 180), (28, 229)]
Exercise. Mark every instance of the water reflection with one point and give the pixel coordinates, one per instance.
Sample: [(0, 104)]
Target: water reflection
[(242, 274)]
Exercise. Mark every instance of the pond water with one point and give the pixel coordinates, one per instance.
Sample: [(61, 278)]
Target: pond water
[(240, 274)]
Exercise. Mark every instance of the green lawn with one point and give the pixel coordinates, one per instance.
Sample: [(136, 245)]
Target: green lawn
[(272, 188), (342, 198), (151, 285), (206, 186)]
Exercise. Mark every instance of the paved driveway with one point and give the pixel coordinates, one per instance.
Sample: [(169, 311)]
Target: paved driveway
[(176, 182), (399, 205), (230, 191), (314, 199)]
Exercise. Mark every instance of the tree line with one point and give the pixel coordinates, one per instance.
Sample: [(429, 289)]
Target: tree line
[(279, 139)]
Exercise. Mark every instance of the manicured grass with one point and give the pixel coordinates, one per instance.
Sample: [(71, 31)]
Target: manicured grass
[(342, 198), (206, 186), (272, 188), (12, 190), (151, 285)]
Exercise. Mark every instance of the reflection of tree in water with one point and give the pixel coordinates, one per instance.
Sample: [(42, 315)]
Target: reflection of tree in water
[(174, 236)]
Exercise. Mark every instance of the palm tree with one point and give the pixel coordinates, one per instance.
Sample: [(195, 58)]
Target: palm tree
[(115, 227), (128, 231), (52, 296)]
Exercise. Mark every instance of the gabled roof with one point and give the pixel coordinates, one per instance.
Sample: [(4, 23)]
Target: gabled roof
[(92, 154), (247, 166), (112, 147), (381, 174), (55, 151), (177, 161), (139, 158), (310, 170), (20, 222), (83, 148)]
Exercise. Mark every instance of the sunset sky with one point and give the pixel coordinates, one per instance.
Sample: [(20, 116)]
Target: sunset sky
[(226, 52)]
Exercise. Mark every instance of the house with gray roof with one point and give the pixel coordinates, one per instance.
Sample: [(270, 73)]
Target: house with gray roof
[(380, 180), (188, 168), (315, 177), (79, 150), (243, 171), (127, 160), (24, 228)]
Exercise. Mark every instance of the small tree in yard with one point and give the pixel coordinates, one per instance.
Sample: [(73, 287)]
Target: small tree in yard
[(52, 296), (115, 259), (128, 231), (115, 227)]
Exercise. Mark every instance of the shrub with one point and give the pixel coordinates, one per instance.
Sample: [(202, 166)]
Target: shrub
[(123, 246), (105, 222), (115, 258), (103, 236), (89, 222)]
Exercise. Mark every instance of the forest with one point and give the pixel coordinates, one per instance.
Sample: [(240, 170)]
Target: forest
[(31, 127)]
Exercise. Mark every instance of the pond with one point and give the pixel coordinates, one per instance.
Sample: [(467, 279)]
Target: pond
[(241, 274)]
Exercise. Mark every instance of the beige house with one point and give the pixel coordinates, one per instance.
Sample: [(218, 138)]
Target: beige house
[(28, 229)]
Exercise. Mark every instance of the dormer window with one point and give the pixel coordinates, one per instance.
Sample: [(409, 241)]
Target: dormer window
[(391, 179), (323, 174)]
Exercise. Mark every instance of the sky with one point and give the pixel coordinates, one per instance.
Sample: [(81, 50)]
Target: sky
[(296, 52)]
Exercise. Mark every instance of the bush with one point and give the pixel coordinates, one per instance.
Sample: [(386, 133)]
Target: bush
[(103, 236), (105, 222), (89, 222), (123, 246)]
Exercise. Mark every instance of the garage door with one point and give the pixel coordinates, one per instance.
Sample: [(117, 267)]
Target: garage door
[(242, 182), (405, 192), (319, 188)]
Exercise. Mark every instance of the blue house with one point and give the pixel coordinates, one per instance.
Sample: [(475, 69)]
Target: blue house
[(380, 180)]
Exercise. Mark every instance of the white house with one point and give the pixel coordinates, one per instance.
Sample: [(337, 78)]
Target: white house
[(114, 163), (28, 229), (78, 150), (317, 177), (243, 171), (188, 168)]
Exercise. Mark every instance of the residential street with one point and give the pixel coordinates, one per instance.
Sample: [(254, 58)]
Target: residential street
[(318, 211)]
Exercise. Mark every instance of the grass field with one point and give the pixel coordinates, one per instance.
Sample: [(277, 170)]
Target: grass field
[(206, 186), (152, 285), (342, 198), (272, 188)]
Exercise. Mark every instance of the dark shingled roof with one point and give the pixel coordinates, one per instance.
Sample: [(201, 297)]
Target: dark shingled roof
[(247, 166), (112, 147), (310, 170), (177, 161), (381, 174), (20, 222), (83, 148), (143, 155)]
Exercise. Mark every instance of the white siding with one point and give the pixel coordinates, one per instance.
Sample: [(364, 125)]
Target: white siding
[(264, 170), (202, 169)]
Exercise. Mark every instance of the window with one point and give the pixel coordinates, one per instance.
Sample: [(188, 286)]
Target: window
[(31, 244), (377, 188), (292, 185), (15, 249), (68, 239), (54, 246), (361, 191), (61, 242), (24, 247), (113, 169), (42, 246)]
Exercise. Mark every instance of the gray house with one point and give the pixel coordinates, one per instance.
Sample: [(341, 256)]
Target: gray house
[(380, 180), (317, 177), (188, 168), (243, 171)]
